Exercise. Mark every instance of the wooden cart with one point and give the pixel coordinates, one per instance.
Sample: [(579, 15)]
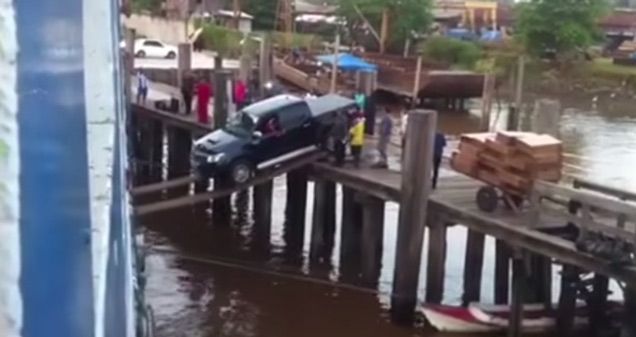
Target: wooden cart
[(507, 163)]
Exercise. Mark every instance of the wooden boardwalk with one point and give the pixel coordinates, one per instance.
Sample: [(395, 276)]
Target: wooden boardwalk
[(455, 198)]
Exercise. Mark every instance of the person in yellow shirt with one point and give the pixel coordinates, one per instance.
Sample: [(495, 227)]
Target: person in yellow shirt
[(356, 135)]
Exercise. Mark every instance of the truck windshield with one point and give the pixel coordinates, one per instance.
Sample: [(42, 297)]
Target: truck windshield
[(241, 125)]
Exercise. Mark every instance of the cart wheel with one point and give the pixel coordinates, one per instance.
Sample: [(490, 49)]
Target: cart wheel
[(487, 198)]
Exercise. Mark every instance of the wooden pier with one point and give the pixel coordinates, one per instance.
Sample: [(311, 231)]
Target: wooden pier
[(161, 143)]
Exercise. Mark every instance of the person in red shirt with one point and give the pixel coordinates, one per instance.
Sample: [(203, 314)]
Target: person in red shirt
[(239, 94), (203, 90)]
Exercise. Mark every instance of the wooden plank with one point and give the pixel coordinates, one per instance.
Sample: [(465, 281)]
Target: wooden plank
[(609, 190), (145, 189), (197, 198), (586, 223), (618, 207)]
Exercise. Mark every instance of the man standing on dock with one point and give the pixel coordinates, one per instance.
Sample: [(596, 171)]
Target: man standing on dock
[(142, 88), (386, 129), (187, 88), (438, 152), (203, 92)]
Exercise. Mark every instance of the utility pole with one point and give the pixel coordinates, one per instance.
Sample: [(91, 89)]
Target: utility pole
[(236, 5)]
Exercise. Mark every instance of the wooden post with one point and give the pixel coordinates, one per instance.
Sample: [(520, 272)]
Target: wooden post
[(518, 289), (295, 210), (540, 280), (416, 188), (221, 207), (486, 101), (416, 81), (435, 266), (179, 142), (334, 66), (521, 66), (372, 239), (324, 220), (384, 30), (629, 323), (264, 63), (184, 64), (263, 213), (502, 272), (546, 117), (156, 151), (598, 307), (567, 299), (473, 266), (143, 155), (350, 235)]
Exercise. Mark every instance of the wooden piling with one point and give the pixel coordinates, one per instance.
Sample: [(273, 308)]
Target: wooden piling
[(156, 151), (221, 207), (295, 210), (179, 146), (416, 188), (540, 280), (372, 239), (436, 263), (323, 220), (518, 288), (567, 299), (629, 323), (184, 62), (263, 194), (598, 316), (350, 235), (473, 267), (502, 272), (143, 152)]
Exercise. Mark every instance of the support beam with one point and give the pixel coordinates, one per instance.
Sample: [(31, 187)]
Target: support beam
[(502, 272), (263, 213), (416, 189), (372, 239), (567, 300), (221, 207), (295, 211), (629, 323), (519, 282), (184, 62), (156, 152), (598, 316), (351, 234), (324, 220), (473, 267), (435, 266)]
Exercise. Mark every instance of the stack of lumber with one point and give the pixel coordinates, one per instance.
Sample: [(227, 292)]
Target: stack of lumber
[(509, 160)]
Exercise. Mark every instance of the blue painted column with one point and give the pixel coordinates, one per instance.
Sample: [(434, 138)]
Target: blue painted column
[(55, 220)]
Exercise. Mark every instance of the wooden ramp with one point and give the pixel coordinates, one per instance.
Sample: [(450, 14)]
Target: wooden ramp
[(262, 177), (164, 185), (455, 198)]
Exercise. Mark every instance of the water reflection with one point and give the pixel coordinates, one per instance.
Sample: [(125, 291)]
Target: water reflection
[(203, 299)]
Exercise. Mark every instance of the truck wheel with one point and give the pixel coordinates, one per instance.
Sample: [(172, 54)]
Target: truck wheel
[(241, 171)]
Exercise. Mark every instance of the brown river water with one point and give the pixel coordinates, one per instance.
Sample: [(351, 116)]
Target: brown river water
[(222, 282)]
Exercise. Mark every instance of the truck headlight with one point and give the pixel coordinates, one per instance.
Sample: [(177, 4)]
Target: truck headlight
[(215, 158)]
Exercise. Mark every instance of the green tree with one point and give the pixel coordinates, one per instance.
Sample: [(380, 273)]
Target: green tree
[(405, 16), (226, 42), (455, 52), (564, 26), (263, 11)]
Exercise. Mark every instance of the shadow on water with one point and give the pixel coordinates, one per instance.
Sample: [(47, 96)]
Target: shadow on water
[(226, 290)]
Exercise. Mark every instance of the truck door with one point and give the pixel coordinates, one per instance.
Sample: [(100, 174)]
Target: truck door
[(271, 145), (295, 122)]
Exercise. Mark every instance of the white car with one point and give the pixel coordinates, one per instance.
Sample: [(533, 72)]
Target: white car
[(152, 48)]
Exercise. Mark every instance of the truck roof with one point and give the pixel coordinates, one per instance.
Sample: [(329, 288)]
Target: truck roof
[(277, 102), (328, 103)]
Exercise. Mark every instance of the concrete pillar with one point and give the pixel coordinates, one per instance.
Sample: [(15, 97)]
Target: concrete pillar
[(416, 188), (324, 220), (546, 117)]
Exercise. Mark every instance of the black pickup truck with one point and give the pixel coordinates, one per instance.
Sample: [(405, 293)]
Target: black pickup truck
[(267, 133)]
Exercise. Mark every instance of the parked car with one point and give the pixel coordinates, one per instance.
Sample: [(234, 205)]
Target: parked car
[(267, 133), (152, 48)]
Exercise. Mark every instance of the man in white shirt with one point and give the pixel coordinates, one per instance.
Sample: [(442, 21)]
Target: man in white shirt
[(142, 87)]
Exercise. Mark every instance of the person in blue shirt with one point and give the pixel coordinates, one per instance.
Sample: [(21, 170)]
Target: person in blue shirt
[(386, 128), (438, 151)]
